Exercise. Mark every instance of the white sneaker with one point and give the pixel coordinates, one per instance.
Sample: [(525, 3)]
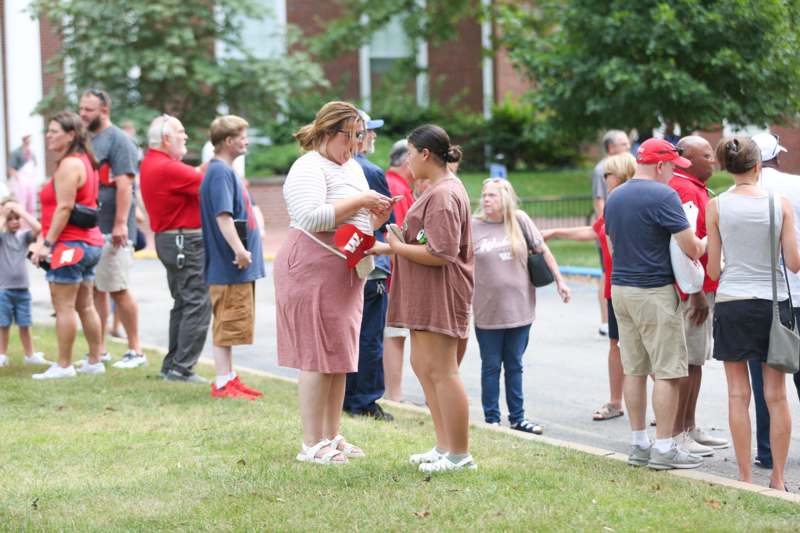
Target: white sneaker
[(3, 360), (36, 359), (91, 369), (104, 358), (131, 359), (445, 465), (430, 456), (701, 436), (56, 372), (685, 442)]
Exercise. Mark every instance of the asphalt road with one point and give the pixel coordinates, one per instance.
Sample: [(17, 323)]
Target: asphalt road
[(565, 366)]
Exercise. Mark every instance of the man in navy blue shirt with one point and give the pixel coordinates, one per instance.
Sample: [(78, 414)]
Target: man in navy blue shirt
[(641, 217), (233, 256), (366, 386)]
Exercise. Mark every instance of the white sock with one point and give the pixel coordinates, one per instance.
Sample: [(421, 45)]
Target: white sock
[(221, 381), (639, 438), (664, 445)]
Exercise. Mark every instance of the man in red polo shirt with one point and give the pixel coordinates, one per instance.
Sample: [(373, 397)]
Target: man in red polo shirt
[(690, 184), (171, 194)]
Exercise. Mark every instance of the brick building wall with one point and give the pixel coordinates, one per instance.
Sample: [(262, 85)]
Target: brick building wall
[(455, 67), (51, 78)]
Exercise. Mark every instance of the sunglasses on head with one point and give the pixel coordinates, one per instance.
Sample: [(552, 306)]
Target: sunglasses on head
[(100, 94)]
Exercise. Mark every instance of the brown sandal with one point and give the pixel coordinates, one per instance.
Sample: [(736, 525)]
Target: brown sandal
[(607, 412)]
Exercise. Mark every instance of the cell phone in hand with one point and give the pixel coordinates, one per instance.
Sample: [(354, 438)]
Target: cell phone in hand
[(241, 230), (397, 231)]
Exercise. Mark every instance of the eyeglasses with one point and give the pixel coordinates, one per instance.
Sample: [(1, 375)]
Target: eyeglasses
[(359, 134)]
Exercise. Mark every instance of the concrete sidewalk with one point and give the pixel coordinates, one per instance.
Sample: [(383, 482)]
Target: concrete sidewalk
[(565, 366)]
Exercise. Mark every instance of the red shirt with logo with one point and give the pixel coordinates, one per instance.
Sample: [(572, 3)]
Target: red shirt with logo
[(599, 228), (171, 192), (692, 189)]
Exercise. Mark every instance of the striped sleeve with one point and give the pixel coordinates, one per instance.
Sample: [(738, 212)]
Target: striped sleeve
[(305, 193)]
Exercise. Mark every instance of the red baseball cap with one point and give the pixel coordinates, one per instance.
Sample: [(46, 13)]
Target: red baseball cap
[(654, 151)]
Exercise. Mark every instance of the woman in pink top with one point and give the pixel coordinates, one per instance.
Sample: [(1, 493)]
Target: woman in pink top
[(431, 293)]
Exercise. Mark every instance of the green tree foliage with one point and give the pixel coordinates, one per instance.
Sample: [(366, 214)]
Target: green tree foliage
[(636, 63), (159, 56)]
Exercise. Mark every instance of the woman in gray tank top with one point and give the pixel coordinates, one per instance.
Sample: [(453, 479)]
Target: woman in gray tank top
[(738, 227)]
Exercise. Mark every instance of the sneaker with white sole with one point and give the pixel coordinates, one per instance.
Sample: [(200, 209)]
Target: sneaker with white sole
[(686, 442), (92, 369), (430, 456), (3, 360), (639, 455), (56, 372), (446, 465), (36, 359), (701, 436), (131, 359), (674, 458), (105, 357)]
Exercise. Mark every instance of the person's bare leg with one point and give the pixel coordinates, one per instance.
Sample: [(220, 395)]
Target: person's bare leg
[(314, 392), (616, 375), (635, 392), (26, 340), (461, 350), (128, 312), (63, 298), (695, 380), (665, 406), (223, 360), (115, 324), (393, 367), (450, 393), (780, 422), (682, 390), (103, 307), (90, 320), (4, 334), (421, 352), (738, 378), (333, 406)]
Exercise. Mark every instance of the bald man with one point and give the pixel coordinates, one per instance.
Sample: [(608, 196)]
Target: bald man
[(690, 184)]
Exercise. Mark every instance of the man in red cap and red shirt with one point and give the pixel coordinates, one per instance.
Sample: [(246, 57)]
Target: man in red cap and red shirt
[(690, 184), (641, 216), (171, 194)]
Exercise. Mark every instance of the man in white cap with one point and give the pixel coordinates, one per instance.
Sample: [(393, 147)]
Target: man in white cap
[(787, 185)]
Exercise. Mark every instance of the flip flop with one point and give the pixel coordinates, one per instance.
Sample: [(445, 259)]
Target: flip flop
[(607, 412)]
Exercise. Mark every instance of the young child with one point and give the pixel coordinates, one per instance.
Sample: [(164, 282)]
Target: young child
[(15, 298)]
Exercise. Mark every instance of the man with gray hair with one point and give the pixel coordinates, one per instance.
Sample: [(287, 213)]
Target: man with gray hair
[(614, 142), (171, 194)]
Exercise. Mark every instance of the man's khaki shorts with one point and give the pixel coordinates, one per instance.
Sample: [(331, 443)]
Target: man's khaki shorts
[(651, 337), (699, 339), (113, 270), (234, 310)]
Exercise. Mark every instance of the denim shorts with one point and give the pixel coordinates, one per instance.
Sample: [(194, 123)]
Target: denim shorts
[(15, 307), (82, 271)]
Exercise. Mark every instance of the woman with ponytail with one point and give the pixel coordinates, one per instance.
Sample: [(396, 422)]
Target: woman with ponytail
[(738, 222), (505, 300)]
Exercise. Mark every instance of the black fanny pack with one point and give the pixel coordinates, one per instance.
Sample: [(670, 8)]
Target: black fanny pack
[(84, 216)]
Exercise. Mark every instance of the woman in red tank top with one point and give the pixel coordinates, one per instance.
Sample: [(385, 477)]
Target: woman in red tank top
[(75, 181)]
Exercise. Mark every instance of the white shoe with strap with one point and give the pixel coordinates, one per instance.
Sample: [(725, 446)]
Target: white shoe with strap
[(348, 450), (431, 456), (308, 454), (445, 465)]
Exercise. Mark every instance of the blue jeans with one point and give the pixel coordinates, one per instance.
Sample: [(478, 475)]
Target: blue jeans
[(15, 307), (366, 386), (764, 453), (502, 348), (80, 272)]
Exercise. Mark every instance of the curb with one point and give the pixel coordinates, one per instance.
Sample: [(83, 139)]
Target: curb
[(692, 475)]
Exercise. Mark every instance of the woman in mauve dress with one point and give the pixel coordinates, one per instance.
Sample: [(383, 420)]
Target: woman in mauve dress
[(431, 293), (319, 300)]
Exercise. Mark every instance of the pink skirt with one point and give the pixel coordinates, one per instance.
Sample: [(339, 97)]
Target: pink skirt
[(319, 303)]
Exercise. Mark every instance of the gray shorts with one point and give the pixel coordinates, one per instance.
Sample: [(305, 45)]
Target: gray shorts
[(113, 269), (699, 339)]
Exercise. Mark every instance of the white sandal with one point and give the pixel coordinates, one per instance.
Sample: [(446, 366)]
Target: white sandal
[(349, 449), (308, 454), (445, 465)]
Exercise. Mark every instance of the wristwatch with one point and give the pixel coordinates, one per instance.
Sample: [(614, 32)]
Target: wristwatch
[(47, 244)]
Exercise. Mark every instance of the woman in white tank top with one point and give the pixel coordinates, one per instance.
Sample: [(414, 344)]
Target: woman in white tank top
[(738, 225)]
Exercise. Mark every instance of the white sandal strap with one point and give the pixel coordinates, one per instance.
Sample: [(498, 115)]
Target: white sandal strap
[(326, 458), (312, 450)]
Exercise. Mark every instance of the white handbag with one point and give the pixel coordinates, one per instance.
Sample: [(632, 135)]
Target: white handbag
[(689, 273)]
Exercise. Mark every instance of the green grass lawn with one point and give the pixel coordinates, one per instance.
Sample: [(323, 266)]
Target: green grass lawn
[(128, 452)]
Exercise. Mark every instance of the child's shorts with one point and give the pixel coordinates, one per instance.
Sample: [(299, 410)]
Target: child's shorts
[(15, 307)]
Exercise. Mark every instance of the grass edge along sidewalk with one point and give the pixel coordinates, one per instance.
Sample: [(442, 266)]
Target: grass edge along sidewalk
[(126, 451)]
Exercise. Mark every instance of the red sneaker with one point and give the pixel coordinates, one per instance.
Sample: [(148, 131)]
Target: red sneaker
[(229, 391), (236, 382)]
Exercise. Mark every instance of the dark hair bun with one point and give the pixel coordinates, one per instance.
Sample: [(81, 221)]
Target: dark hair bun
[(454, 155), (738, 155)]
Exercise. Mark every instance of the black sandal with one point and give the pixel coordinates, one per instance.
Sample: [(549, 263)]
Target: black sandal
[(527, 426)]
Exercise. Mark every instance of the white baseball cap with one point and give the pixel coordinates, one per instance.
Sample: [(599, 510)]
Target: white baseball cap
[(768, 144)]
